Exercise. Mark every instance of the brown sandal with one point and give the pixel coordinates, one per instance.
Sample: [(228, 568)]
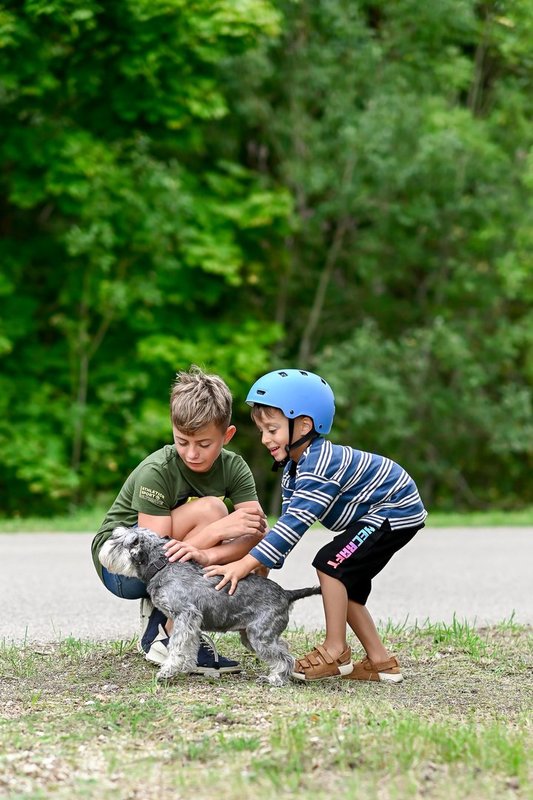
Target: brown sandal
[(366, 670), (319, 664)]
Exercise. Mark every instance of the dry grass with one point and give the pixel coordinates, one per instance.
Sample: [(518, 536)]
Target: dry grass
[(89, 721)]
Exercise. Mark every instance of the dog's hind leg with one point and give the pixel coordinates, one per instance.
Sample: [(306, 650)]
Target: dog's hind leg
[(270, 648), (183, 645)]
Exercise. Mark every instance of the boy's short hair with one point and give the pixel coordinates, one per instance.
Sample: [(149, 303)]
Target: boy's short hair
[(259, 411), (198, 399)]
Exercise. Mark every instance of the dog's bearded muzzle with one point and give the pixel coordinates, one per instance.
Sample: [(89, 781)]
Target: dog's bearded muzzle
[(115, 555)]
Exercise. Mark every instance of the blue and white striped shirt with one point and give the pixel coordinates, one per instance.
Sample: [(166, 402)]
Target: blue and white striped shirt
[(337, 485)]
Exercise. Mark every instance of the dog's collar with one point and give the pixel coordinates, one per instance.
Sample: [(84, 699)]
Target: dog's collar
[(155, 567)]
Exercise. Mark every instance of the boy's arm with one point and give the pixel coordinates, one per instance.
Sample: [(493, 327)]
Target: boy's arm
[(314, 491), (234, 572), (160, 525), (224, 553)]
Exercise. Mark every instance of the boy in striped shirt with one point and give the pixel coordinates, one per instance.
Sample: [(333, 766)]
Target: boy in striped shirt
[(370, 500)]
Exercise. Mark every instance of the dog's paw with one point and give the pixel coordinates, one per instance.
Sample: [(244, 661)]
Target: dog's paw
[(165, 673)]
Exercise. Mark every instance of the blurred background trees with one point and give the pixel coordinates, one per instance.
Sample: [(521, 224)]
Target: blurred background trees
[(339, 185)]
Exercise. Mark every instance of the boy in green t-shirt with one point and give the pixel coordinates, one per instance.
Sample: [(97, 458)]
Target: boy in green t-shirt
[(180, 491)]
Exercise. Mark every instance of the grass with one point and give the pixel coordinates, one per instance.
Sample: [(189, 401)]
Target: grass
[(81, 521), (86, 720), (87, 520), (442, 519)]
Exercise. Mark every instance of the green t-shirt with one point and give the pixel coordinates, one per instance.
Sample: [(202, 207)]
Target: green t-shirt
[(163, 482)]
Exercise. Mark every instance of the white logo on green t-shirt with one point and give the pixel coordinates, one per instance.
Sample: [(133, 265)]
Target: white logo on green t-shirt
[(152, 495)]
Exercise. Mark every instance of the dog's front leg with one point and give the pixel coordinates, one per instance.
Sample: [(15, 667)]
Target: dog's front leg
[(183, 645)]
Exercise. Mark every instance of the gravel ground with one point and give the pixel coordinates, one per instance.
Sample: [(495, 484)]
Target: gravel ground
[(49, 589)]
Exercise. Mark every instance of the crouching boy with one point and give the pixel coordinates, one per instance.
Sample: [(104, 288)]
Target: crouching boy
[(181, 491)]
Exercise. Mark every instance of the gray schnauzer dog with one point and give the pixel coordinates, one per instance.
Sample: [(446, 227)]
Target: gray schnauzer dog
[(259, 609)]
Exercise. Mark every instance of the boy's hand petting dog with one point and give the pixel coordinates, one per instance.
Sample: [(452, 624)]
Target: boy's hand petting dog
[(182, 551), (248, 518), (232, 573)]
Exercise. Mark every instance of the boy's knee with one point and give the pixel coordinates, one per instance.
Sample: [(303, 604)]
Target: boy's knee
[(212, 508)]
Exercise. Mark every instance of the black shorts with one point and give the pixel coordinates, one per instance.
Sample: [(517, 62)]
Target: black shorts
[(357, 554)]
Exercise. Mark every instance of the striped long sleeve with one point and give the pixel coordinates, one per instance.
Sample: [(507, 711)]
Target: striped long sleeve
[(337, 485)]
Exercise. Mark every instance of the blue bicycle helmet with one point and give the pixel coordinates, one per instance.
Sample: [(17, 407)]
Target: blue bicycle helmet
[(296, 392)]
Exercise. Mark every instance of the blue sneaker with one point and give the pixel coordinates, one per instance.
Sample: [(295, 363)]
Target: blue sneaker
[(210, 663)]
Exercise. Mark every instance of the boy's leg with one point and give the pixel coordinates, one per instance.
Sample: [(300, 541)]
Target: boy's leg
[(123, 586), (345, 568), (379, 664), (333, 658), (335, 602), (338, 610), (190, 519), (363, 626)]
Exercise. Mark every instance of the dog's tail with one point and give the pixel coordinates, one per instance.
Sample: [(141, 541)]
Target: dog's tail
[(299, 594)]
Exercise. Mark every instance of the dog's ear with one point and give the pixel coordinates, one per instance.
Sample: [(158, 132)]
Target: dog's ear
[(135, 545), (132, 539), (120, 531)]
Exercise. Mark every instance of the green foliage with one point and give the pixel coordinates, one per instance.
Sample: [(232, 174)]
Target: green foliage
[(407, 150), (243, 185), (127, 243)]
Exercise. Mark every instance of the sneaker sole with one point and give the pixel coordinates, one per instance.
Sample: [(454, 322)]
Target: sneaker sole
[(211, 672), (344, 669)]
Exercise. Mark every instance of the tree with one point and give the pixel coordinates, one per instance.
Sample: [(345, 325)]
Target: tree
[(127, 244), (402, 132), (342, 185)]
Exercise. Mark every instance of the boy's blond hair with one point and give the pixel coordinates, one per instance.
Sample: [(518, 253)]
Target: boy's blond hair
[(198, 399)]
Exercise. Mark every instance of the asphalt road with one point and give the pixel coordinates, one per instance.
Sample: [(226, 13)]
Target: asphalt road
[(49, 589)]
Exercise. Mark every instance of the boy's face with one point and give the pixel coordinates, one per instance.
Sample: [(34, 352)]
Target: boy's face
[(274, 428), (199, 450)]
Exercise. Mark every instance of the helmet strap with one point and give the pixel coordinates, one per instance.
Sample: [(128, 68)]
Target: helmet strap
[(309, 437), (278, 464)]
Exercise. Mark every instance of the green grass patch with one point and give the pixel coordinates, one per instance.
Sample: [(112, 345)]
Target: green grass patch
[(81, 521), (480, 519), (87, 720)]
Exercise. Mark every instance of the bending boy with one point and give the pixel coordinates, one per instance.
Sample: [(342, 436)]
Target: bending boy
[(180, 491), (370, 499)]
